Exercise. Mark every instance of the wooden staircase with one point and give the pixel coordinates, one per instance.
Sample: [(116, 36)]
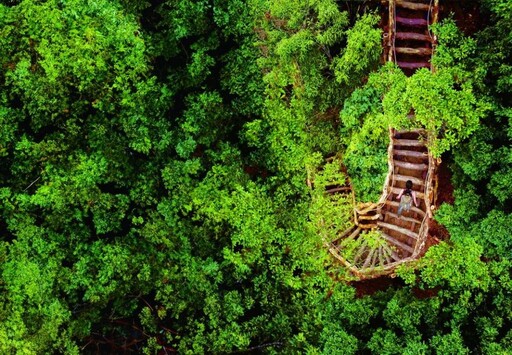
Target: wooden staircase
[(408, 40), (393, 240), (380, 240)]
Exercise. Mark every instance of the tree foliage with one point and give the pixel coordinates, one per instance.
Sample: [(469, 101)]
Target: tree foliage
[(154, 167)]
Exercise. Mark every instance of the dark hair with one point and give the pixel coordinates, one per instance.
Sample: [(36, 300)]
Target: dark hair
[(408, 184)]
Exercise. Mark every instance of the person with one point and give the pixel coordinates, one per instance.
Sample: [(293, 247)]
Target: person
[(406, 197)]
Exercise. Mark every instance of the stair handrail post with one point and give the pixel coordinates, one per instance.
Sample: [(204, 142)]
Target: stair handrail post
[(391, 30), (435, 19), (435, 13)]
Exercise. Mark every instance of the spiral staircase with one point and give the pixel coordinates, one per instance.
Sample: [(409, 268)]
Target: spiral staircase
[(379, 240)]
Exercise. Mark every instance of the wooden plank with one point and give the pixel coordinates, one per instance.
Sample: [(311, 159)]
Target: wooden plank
[(345, 233), (368, 226), (413, 51), (414, 209), (360, 251), (398, 229), (390, 253), (411, 166), (413, 65), (413, 22), (370, 218), (369, 258), (410, 153), (413, 36), (381, 257), (337, 189), (418, 131), (367, 207), (404, 178), (407, 219), (419, 195), (412, 5), (352, 236), (408, 142), (398, 244), (375, 255)]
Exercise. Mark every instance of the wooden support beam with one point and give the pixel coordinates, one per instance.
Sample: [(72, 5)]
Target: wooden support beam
[(398, 244), (398, 229)]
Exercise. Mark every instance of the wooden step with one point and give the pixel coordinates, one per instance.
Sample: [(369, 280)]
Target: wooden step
[(397, 190), (413, 65), (404, 178), (403, 218), (368, 226), (369, 218), (397, 243), (398, 229), (411, 166), (413, 36), (413, 22), (410, 153), (338, 189), (414, 130), (417, 6), (414, 51), (413, 208), (408, 142)]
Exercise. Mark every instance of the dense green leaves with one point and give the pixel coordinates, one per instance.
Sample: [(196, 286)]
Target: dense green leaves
[(155, 159)]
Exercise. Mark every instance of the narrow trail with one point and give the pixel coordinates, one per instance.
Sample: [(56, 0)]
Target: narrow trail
[(380, 240)]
